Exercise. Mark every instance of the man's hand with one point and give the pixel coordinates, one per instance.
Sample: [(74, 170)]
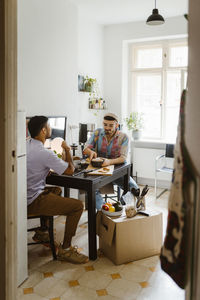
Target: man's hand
[(106, 162), (92, 155), (65, 146)]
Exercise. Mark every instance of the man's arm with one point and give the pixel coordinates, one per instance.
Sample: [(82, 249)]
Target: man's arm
[(114, 161), (90, 153), (91, 143), (68, 158)]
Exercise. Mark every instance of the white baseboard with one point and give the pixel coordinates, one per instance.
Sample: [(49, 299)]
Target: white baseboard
[(160, 183)]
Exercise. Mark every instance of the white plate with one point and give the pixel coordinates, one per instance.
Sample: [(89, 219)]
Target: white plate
[(112, 214)]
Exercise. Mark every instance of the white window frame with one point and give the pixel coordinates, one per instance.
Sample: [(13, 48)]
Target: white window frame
[(165, 44)]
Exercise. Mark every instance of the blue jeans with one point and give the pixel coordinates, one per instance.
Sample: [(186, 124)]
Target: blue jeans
[(119, 182)]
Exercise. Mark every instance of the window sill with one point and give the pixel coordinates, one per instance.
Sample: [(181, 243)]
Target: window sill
[(150, 144)]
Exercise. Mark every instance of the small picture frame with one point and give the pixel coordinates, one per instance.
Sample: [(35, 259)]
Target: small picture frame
[(81, 85)]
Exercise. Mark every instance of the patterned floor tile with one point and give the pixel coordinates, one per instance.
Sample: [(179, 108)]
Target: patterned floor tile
[(136, 273), (73, 283), (67, 271), (144, 284), (28, 291), (102, 292), (79, 293), (95, 280), (105, 266), (120, 282), (51, 287), (48, 274), (33, 279), (123, 289), (116, 276), (89, 268)]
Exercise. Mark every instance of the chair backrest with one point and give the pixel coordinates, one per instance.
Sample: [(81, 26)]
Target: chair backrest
[(169, 150)]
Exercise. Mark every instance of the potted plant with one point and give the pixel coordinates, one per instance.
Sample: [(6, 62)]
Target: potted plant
[(135, 123), (89, 84)]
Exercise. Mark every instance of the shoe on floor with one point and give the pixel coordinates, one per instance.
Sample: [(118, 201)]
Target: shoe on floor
[(71, 255), (41, 236)]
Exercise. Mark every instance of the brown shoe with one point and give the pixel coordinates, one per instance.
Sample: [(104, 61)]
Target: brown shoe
[(43, 237), (72, 255)]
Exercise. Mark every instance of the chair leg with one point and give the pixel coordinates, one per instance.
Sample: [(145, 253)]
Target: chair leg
[(44, 223), (106, 196), (118, 193), (51, 237)]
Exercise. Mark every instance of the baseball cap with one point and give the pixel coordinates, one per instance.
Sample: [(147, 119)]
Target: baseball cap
[(112, 116)]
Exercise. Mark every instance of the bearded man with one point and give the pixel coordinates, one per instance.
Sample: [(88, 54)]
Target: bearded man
[(112, 144)]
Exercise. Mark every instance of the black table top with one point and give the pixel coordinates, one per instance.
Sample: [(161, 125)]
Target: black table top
[(82, 179)]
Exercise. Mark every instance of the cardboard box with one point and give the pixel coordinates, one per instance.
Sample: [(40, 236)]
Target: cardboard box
[(127, 239)]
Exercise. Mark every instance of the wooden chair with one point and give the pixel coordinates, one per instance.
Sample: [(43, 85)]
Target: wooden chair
[(44, 220)]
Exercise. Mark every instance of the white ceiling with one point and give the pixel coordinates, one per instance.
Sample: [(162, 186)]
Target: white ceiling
[(121, 11)]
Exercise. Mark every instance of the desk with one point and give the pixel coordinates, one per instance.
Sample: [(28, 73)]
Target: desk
[(90, 184)]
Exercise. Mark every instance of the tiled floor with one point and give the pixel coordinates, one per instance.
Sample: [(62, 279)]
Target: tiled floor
[(100, 279)]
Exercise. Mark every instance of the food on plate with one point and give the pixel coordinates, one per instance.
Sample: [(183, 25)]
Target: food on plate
[(106, 169), (105, 207), (111, 209), (102, 171), (118, 206)]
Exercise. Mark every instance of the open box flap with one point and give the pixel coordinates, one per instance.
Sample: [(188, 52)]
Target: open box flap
[(105, 228)]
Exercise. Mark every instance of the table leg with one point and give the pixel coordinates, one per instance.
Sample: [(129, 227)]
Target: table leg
[(126, 181), (66, 192), (92, 240)]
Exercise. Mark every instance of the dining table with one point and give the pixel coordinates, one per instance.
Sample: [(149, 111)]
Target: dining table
[(90, 183)]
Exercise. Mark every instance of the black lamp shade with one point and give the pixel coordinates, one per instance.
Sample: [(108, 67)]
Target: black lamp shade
[(155, 18)]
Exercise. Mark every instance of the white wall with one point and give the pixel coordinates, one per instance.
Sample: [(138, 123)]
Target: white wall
[(47, 56), (90, 62), (55, 44), (114, 37)]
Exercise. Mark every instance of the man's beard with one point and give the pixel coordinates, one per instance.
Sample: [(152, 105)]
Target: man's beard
[(108, 132)]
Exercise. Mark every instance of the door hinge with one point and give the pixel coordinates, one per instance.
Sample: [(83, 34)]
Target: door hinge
[(13, 168)]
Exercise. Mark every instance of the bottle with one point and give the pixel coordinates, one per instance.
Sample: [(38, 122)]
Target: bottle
[(90, 103), (101, 103)]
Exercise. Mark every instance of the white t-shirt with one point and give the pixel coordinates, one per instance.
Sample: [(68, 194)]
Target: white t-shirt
[(39, 162)]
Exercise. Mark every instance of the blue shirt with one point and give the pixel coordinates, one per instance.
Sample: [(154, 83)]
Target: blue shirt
[(116, 147)]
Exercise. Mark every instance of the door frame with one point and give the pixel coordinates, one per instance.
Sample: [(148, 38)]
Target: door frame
[(8, 177)]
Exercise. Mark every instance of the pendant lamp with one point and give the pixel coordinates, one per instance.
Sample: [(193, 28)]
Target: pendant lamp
[(155, 18)]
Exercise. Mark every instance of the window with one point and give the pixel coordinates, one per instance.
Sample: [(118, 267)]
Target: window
[(158, 75)]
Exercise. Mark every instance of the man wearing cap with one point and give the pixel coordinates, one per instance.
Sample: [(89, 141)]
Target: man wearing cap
[(112, 144)]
